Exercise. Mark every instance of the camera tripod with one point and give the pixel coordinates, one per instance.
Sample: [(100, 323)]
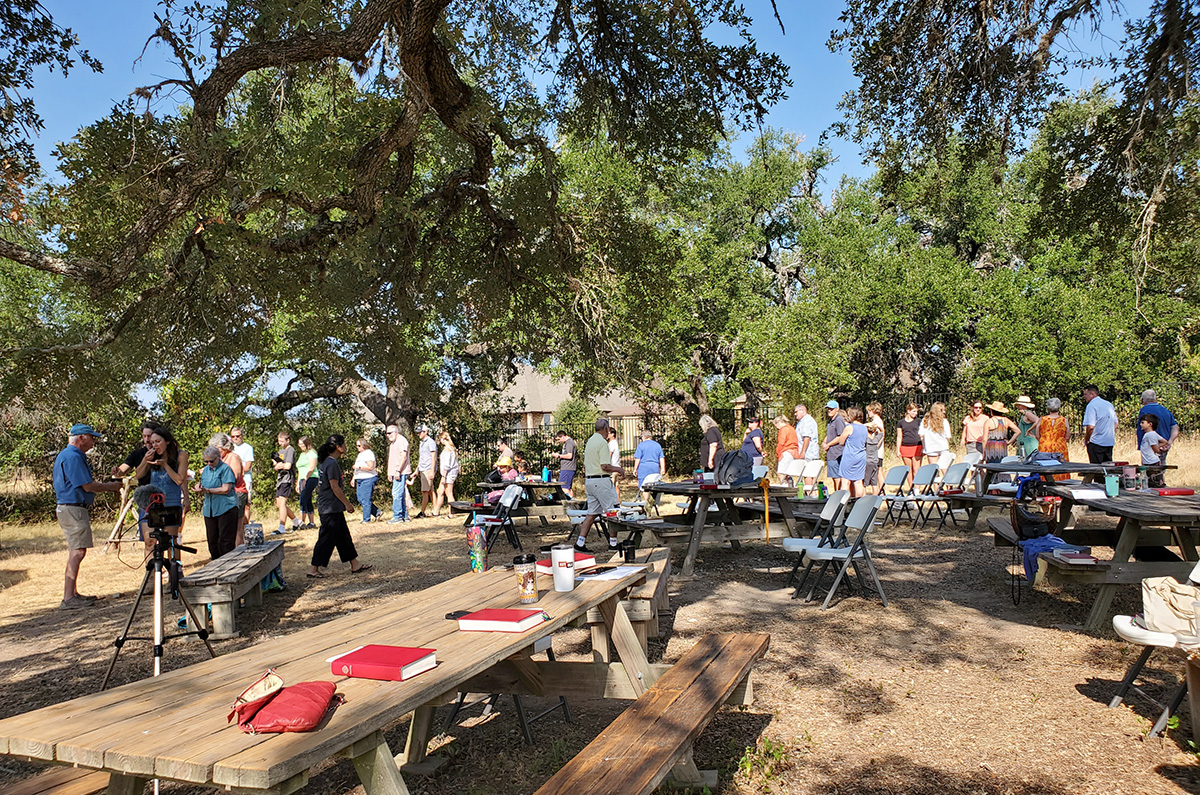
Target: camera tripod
[(154, 569)]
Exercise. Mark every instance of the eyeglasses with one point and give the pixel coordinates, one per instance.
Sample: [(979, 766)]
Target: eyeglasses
[(977, 408), (210, 460)]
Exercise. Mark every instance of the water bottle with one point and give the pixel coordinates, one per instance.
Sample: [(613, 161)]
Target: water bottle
[(545, 474), (821, 490)]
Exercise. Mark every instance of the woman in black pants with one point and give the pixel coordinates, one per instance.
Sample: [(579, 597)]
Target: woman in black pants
[(331, 509)]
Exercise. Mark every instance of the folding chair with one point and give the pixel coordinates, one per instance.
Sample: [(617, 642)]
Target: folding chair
[(1130, 629), (927, 496), (920, 493), (862, 519), (896, 479), (943, 463), (812, 469), (823, 530), (502, 518), (971, 459), (955, 477), (650, 501), (1009, 484)]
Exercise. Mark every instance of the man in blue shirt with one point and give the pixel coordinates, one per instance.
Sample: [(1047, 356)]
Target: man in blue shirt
[(1168, 428), (648, 458), (1099, 426), (74, 491)]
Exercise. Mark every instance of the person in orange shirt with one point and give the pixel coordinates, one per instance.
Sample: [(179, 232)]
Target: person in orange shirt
[(787, 450)]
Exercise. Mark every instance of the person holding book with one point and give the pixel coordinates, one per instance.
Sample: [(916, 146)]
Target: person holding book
[(601, 494), (332, 507)]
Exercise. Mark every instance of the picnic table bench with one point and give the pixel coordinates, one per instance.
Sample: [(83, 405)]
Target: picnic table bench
[(653, 737), (222, 582), (61, 781)]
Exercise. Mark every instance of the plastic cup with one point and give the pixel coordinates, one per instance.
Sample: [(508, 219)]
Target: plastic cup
[(562, 560)]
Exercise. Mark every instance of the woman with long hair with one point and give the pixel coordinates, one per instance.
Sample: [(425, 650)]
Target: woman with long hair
[(876, 432), (711, 446), (167, 467), (332, 507), (908, 440), (935, 433), (448, 466), (306, 474)]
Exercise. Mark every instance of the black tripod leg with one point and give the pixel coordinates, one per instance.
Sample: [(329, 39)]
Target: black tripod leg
[(120, 641)]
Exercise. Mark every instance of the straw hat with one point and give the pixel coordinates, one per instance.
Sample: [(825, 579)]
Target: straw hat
[(504, 461), (998, 407), (1023, 402)]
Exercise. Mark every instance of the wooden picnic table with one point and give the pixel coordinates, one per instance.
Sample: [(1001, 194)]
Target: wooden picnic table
[(528, 506), (990, 471), (724, 523), (174, 726), (1139, 513)]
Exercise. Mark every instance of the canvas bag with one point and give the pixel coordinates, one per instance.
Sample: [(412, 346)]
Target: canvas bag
[(735, 469), (1167, 605)]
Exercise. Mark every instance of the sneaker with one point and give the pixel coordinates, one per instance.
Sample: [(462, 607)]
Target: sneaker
[(396, 521), (278, 532), (421, 515), (583, 548), (75, 603)]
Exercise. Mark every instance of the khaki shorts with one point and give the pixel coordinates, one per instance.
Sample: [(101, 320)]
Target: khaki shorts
[(601, 495), (426, 480), (76, 524)]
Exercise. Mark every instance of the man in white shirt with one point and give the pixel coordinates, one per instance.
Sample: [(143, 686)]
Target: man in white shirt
[(399, 467), (601, 493), (1099, 426), (806, 434), (246, 453), (426, 467)]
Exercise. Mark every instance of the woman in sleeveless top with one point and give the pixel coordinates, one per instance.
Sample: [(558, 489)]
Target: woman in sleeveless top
[(854, 454), (1054, 433), (1027, 425), (999, 430), (167, 467)]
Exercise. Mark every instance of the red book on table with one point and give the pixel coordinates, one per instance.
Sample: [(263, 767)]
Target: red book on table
[(390, 663), (502, 620)]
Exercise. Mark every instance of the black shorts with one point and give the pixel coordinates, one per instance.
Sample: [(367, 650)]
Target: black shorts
[(284, 490)]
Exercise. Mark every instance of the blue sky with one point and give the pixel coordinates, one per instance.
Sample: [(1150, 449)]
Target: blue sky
[(115, 32)]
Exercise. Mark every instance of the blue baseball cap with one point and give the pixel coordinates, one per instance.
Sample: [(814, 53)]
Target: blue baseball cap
[(833, 404), (83, 429)]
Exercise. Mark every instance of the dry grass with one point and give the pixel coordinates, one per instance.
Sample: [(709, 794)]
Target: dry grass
[(951, 690)]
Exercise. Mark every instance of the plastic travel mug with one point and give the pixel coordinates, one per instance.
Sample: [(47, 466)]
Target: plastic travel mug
[(630, 551), (526, 568), (562, 559), (1112, 485)]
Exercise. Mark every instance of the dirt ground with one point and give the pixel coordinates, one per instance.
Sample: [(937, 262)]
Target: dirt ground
[(951, 689)]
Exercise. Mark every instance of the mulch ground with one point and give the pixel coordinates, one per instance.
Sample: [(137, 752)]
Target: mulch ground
[(950, 689)]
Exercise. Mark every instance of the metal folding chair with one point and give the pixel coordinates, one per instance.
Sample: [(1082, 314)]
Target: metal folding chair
[(502, 518), (862, 519), (896, 479)]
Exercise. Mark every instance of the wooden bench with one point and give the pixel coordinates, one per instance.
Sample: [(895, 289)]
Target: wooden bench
[(642, 604), (222, 582), (61, 781), (653, 737)]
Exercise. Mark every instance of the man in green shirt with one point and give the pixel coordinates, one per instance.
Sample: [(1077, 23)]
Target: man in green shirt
[(601, 493)]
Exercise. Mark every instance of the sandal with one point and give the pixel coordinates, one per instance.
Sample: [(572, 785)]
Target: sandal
[(317, 576), (364, 567)]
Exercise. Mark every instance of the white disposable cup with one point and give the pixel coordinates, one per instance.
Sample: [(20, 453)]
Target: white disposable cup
[(562, 560)]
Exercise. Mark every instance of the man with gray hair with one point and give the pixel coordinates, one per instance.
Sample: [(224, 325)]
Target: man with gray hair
[(74, 491), (1168, 428), (399, 467), (601, 493)]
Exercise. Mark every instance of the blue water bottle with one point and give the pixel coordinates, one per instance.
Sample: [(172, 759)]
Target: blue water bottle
[(545, 474)]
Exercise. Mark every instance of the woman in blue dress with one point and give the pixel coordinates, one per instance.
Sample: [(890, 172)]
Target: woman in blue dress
[(167, 467), (854, 455)]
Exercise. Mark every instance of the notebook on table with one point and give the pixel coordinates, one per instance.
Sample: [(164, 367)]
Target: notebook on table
[(502, 620), (389, 663)]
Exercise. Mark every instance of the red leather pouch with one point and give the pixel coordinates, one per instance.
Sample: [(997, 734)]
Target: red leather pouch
[(267, 707)]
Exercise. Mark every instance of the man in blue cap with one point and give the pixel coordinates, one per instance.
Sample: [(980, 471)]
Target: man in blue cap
[(74, 491), (834, 426)]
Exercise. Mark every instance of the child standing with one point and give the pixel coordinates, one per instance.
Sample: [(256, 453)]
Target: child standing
[(1152, 446)]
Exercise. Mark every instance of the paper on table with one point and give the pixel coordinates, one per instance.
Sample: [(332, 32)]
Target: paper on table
[(1050, 462), (1089, 494), (615, 573)]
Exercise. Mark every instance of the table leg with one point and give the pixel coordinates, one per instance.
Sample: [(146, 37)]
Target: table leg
[(1128, 530), (689, 562), (377, 769), (1066, 516), (418, 735), (783, 512), (625, 639), (1193, 683), (1187, 544), (121, 784)]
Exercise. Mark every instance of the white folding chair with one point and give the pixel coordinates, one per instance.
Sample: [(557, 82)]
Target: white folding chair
[(759, 472), (861, 519), (811, 470), (1007, 484), (943, 463), (954, 478), (920, 495), (502, 518), (1130, 629), (896, 479), (650, 500), (824, 530), (972, 459)]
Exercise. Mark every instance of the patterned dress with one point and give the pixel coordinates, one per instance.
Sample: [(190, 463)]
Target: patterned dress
[(1053, 439), (996, 446)]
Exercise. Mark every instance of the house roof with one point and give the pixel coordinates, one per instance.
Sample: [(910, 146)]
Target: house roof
[(543, 394)]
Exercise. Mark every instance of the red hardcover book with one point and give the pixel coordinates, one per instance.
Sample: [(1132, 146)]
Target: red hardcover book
[(583, 561), (502, 620), (390, 663), (1175, 492)]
